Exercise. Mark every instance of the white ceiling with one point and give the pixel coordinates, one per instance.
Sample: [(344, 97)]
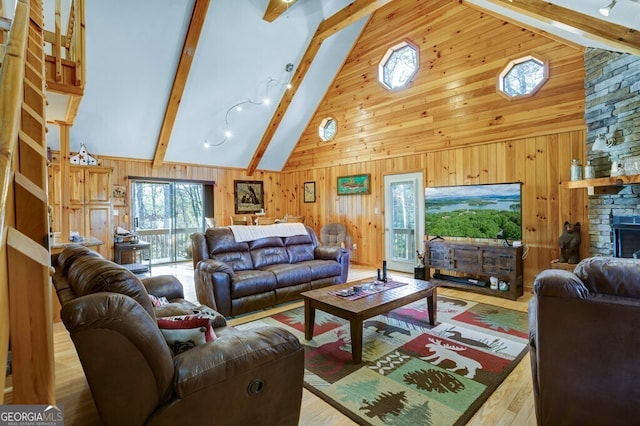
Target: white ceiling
[(133, 48)]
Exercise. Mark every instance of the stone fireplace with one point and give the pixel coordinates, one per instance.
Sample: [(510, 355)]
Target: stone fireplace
[(626, 236), (612, 109)]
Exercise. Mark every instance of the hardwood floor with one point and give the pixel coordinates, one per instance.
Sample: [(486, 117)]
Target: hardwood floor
[(510, 404)]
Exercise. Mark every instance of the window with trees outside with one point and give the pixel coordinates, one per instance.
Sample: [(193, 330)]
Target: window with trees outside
[(522, 77), (398, 66), (165, 214)]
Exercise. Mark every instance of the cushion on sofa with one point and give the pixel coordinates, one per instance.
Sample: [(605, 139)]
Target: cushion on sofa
[(323, 268), (299, 248), (266, 242), (246, 283), (266, 256), (289, 274), (92, 274), (237, 260), (221, 240), (191, 321), (610, 275), (298, 239), (71, 254), (158, 301), (183, 334)]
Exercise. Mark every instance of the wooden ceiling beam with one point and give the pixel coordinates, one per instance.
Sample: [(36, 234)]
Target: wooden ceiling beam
[(275, 8), (617, 36), (347, 16), (341, 19), (180, 80)]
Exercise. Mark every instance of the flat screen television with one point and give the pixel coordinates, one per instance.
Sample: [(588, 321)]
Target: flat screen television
[(474, 211)]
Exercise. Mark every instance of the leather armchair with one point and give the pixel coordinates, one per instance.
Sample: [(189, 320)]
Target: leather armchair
[(584, 343), (242, 377), (333, 234)]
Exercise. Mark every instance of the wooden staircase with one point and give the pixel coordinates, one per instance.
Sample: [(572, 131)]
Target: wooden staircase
[(25, 289)]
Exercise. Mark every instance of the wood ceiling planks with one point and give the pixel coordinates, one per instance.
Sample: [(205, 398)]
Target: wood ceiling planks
[(623, 38), (462, 52)]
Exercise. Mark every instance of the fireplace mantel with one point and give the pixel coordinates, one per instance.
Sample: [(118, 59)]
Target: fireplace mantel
[(605, 185)]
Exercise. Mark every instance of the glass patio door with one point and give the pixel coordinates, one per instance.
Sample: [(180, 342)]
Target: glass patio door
[(404, 220), (165, 214)]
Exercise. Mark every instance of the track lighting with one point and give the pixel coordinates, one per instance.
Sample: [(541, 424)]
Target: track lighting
[(238, 107), (606, 10)]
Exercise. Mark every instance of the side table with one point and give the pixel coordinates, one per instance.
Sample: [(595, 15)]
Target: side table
[(136, 257)]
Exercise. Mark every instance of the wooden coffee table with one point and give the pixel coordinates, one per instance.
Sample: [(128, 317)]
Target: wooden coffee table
[(356, 311)]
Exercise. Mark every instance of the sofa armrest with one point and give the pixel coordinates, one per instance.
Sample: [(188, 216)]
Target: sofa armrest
[(559, 283), (330, 253), (164, 285), (213, 285), (198, 247), (231, 355), (213, 266), (553, 283)]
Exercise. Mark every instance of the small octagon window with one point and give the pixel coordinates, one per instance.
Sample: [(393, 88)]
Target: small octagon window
[(522, 77), (328, 129), (398, 66)]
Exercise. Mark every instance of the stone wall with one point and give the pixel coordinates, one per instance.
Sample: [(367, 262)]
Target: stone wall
[(612, 109)]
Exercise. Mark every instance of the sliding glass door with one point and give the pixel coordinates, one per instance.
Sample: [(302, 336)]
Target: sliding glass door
[(165, 214)]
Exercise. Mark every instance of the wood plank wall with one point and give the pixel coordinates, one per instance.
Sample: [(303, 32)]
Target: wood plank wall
[(541, 163)]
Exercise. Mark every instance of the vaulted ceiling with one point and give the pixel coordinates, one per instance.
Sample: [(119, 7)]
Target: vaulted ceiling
[(164, 76)]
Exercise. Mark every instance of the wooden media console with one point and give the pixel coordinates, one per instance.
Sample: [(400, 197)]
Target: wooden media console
[(470, 265)]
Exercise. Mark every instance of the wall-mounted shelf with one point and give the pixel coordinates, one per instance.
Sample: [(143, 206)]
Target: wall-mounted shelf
[(605, 185)]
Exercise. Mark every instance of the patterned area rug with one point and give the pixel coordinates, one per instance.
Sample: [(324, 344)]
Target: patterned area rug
[(412, 373)]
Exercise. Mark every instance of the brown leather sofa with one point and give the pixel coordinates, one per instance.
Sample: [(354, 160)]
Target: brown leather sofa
[(242, 377), (238, 277), (584, 336)]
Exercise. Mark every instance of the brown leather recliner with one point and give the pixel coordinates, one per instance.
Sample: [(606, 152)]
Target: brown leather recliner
[(242, 377), (584, 336)]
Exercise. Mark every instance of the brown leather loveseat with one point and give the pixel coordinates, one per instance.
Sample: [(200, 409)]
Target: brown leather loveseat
[(584, 334), (237, 277), (241, 377)]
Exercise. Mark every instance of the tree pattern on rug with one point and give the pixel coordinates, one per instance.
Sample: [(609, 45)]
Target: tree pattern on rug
[(354, 392), (412, 415), (434, 380), (497, 319), (386, 403)]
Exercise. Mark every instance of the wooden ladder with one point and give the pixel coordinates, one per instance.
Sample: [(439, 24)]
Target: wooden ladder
[(25, 289)]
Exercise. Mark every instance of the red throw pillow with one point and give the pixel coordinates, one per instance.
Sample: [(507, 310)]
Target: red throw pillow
[(158, 301), (186, 331)]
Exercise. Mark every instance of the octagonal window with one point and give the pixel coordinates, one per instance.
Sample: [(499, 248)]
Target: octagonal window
[(522, 77), (328, 129), (398, 66)]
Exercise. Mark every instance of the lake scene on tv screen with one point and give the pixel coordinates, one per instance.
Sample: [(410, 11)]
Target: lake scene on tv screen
[(474, 211)]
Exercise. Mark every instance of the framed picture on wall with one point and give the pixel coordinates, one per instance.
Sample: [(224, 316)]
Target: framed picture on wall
[(355, 184), (309, 192), (119, 196), (248, 196)]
